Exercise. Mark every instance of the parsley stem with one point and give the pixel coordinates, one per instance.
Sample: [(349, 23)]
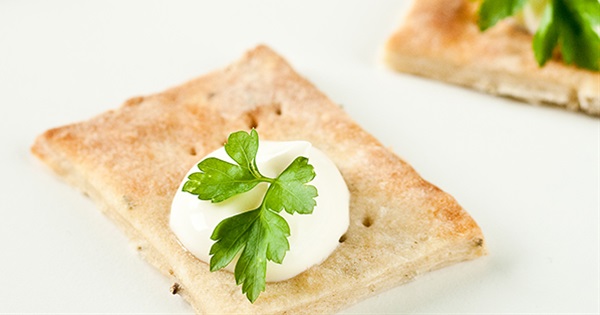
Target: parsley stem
[(255, 172), (267, 180)]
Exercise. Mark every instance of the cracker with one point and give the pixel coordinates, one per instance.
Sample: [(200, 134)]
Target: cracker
[(440, 39), (131, 161)]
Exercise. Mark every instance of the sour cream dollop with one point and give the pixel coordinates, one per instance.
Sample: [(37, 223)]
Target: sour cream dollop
[(313, 236), (532, 13)]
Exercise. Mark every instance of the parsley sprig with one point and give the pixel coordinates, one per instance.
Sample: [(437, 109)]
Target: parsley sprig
[(260, 234), (573, 25)]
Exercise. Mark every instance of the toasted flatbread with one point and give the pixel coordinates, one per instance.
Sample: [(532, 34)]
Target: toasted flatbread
[(440, 39), (132, 160)]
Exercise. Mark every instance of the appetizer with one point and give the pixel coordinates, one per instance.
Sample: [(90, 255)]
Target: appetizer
[(541, 52), (158, 159)]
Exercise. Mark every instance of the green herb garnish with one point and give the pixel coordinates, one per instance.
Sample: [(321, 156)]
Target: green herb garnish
[(573, 25), (260, 234)]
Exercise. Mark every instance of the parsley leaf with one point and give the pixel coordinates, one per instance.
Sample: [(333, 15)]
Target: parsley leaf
[(289, 192), (546, 37), (219, 180), (573, 25), (493, 11), (577, 22), (242, 148), (259, 234)]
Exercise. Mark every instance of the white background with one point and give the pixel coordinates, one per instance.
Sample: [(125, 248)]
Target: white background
[(529, 175)]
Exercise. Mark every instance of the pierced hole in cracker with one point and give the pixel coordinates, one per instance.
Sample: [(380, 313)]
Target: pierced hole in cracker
[(193, 151), (367, 221), (478, 242), (253, 123), (175, 288)]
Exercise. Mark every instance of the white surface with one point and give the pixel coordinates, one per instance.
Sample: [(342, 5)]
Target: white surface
[(528, 175)]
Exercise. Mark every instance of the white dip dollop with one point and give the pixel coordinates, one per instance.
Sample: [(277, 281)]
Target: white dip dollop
[(313, 236), (532, 13)]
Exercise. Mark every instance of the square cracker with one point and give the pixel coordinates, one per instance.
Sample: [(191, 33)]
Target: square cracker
[(440, 39), (131, 161)]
